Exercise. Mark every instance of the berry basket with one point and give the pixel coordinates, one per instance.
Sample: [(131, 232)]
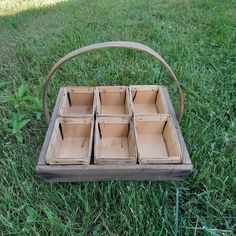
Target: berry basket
[(104, 133)]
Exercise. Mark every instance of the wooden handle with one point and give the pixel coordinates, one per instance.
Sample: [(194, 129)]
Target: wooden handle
[(118, 44)]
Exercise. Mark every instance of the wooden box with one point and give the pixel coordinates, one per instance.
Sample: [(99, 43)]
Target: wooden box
[(147, 100), (157, 140), (113, 101), (78, 102), (114, 141), (113, 133), (71, 141)]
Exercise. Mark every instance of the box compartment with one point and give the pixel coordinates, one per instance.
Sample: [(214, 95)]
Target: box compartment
[(157, 140), (114, 141), (113, 101), (78, 102), (147, 100), (71, 141)]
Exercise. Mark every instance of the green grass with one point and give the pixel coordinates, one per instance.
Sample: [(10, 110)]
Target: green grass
[(197, 38)]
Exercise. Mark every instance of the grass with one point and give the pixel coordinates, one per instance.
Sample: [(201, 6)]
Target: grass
[(197, 38)]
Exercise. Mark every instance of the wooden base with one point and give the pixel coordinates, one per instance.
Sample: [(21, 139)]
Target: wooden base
[(134, 172), (128, 172)]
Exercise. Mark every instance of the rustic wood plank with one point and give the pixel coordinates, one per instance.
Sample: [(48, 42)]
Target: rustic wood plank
[(78, 173)]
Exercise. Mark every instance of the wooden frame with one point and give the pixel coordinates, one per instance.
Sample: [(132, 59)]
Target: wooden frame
[(77, 173), (113, 101), (78, 102), (114, 141)]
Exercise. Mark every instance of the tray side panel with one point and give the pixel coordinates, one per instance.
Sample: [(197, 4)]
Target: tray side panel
[(90, 173)]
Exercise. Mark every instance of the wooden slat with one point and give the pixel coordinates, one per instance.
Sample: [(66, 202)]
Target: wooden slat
[(78, 173)]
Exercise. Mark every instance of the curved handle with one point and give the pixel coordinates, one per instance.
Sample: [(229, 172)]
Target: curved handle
[(117, 44)]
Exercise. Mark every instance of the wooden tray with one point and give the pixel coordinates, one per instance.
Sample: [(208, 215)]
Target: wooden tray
[(113, 133)]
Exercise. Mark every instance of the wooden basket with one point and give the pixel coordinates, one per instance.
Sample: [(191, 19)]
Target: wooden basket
[(71, 141), (113, 101), (78, 102), (113, 132), (148, 100), (114, 141), (157, 140)]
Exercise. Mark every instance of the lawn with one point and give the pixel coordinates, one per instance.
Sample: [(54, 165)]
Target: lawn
[(197, 39)]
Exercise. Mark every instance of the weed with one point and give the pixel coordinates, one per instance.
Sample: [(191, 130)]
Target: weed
[(18, 122), (22, 106)]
